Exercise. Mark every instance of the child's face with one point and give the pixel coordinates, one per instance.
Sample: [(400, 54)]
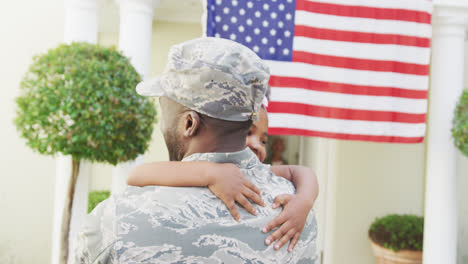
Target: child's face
[(258, 135)]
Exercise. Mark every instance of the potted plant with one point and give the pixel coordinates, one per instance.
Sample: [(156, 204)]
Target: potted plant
[(80, 100), (397, 239), (460, 124)]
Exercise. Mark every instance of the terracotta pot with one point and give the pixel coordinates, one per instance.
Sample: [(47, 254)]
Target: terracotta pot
[(387, 256)]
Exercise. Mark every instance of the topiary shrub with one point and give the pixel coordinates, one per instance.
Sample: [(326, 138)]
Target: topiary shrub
[(397, 232), (80, 100), (96, 197), (460, 124)]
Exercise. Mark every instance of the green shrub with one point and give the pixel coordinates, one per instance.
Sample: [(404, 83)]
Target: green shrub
[(397, 232), (460, 124), (95, 197), (80, 100)]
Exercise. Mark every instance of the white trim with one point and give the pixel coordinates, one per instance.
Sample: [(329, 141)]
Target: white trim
[(330, 208), (204, 17)]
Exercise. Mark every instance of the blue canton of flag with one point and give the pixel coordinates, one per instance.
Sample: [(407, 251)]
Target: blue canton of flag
[(266, 27)]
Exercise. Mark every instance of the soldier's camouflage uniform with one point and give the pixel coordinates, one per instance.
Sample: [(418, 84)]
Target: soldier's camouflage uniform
[(153, 224), (157, 224)]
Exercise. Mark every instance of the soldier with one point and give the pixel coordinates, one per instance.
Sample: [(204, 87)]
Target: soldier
[(210, 92)]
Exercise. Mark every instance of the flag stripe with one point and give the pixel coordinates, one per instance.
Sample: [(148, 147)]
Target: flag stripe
[(349, 76), (342, 113), (358, 102), (363, 24), (355, 127), (360, 64), (361, 37), (280, 81), (364, 11), (312, 133), (367, 51)]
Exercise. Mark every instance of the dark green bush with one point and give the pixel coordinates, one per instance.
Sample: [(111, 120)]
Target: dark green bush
[(460, 124), (80, 100), (95, 197), (397, 232)]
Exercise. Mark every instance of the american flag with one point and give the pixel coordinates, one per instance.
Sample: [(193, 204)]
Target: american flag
[(345, 69)]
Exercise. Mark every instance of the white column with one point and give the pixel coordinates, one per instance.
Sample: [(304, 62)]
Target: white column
[(81, 21), (80, 25), (440, 230), (136, 28)]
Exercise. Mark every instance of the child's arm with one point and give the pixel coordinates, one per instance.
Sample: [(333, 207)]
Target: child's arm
[(295, 207), (303, 178), (226, 181)]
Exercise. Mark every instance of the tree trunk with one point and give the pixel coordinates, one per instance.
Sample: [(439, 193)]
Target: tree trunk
[(66, 219)]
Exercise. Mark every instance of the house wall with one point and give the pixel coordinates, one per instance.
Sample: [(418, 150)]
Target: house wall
[(27, 178), (362, 181), (372, 180)]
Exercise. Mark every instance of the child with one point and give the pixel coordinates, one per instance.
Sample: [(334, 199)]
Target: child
[(228, 183)]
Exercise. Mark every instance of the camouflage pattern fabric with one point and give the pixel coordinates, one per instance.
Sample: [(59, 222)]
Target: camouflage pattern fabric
[(157, 224), (216, 77)]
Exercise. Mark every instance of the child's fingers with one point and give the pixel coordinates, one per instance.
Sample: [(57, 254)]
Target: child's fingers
[(246, 204), (285, 238), (231, 205), (281, 199), (252, 187), (282, 230), (253, 196), (274, 223), (294, 241)]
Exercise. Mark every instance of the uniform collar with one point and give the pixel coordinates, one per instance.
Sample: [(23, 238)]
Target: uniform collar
[(244, 159)]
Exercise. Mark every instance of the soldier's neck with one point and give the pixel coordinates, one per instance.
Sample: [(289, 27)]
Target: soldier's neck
[(213, 144)]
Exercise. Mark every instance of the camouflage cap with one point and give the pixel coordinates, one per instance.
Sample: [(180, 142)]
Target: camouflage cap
[(216, 77)]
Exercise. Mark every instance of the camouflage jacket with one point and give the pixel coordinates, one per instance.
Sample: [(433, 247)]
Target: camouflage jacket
[(157, 224)]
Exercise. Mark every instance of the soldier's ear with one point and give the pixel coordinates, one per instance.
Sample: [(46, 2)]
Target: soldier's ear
[(191, 123)]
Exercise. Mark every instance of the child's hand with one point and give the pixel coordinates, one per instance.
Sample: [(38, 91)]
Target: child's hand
[(291, 221), (229, 184)]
